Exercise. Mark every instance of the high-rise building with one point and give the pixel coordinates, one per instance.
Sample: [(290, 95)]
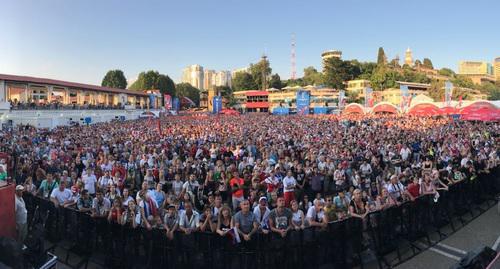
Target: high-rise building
[(408, 57), (209, 79), (477, 71), (238, 70), (223, 78), (330, 54), (496, 67), (194, 75)]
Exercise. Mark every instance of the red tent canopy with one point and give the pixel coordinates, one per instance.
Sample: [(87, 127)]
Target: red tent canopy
[(424, 109), (229, 112), (354, 108), (385, 108), (482, 114), (448, 110)]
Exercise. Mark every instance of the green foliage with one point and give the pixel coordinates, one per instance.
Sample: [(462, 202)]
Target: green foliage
[(336, 72), (463, 81), (153, 80), (418, 63), (275, 82), (114, 79), (186, 90), (446, 72), (294, 82), (436, 91), (381, 58), (412, 76), (256, 71), (243, 81), (383, 78), (312, 76), (428, 63), (492, 90)]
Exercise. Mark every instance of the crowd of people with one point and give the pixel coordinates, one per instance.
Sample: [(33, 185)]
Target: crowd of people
[(236, 176)]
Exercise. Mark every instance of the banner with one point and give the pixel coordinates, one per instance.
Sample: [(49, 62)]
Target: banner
[(368, 97), (281, 111), (448, 92), (216, 104), (167, 99), (341, 99), (303, 101), (151, 100), (405, 97), (320, 110), (176, 104)]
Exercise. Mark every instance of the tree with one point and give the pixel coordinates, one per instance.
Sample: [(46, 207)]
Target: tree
[(256, 70), (275, 82), (463, 81), (114, 79), (446, 72), (335, 73), (492, 90), (418, 63), (383, 78), (187, 90), (436, 90), (428, 63), (243, 81), (381, 58), (153, 80), (312, 76)]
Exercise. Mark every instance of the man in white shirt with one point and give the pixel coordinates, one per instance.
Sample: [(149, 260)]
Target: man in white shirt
[(405, 153), (89, 181), (289, 184), (189, 220), (21, 215), (315, 215), (104, 181), (61, 196)]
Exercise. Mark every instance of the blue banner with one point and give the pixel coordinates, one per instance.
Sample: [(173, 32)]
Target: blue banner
[(151, 100), (176, 104), (405, 96), (303, 101), (281, 111), (320, 110), (216, 104)]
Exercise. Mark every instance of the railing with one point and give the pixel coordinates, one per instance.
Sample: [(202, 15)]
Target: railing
[(339, 245), (58, 106)]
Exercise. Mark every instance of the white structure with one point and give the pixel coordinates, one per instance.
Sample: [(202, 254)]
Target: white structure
[(209, 78), (223, 78), (194, 75)]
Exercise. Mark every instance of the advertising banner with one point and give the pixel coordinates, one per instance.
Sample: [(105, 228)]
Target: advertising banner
[(448, 92), (405, 97), (303, 101), (320, 110), (216, 104), (281, 111), (341, 99), (151, 100), (167, 99), (176, 104), (368, 97)]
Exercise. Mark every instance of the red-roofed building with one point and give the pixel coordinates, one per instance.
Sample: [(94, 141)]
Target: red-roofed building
[(252, 101)]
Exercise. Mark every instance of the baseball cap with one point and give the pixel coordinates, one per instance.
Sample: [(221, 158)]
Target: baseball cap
[(262, 198), (19, 188)]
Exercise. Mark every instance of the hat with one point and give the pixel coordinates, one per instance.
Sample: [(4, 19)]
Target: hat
[(19, 188), (262, 198), (170, 206)]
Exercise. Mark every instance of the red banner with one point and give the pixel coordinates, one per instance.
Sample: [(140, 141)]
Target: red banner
[(168, 101)]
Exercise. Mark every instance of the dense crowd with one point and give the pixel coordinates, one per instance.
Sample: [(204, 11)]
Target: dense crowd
[(241, 175)]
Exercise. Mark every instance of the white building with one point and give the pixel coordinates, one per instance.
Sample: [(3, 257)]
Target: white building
[(194, 75)]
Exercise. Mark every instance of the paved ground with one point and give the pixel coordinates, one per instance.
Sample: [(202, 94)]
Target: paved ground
[(482, 231)]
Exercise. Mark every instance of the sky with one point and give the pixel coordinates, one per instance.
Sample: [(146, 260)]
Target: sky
[(80, 40)]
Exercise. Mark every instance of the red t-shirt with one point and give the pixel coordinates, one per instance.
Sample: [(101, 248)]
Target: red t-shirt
[(414, 189), (233, 182)]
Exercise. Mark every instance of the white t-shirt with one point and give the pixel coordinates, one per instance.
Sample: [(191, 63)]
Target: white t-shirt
[(21, 212), (405, 152), (61, 196), (289, 184), (89, 183), (313, 215)]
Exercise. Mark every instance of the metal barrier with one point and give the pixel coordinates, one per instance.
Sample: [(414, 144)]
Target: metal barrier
[(340, 245)]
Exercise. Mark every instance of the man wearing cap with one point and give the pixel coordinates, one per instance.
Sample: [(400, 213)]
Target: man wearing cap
[(21, 215), (261, 212)]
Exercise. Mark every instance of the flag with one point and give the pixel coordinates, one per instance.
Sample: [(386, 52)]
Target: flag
[(234, 235)]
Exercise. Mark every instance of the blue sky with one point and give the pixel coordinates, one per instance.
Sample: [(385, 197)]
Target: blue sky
[(79, 40)]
